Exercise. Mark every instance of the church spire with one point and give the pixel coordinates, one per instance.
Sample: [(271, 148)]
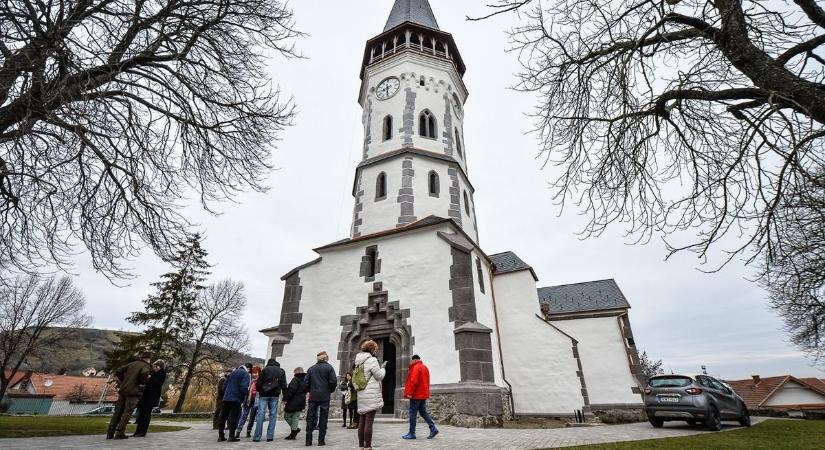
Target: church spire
[(416, 11)]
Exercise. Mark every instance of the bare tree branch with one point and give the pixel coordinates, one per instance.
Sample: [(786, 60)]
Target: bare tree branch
[(112, 112)]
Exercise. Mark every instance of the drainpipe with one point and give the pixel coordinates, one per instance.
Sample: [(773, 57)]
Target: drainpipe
[(498, 341)]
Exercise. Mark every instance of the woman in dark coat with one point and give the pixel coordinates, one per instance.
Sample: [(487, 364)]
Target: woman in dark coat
[(150, 398), (295, 400)]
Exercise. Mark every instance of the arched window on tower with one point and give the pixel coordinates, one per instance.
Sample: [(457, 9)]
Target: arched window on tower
[(422, 81), (381, 187), (435, 184), (458, 144), (466, 203), (426, 124), (387, 128)]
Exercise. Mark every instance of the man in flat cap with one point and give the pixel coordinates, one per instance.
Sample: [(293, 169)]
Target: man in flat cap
[(320, 381), (131, 380)]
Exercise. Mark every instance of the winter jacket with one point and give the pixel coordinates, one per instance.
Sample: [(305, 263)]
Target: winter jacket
[(151, 394), (370, 398), (132, 378), (237, 386), (348, 386), (320, 382), (272, 374), (418, 381), (295, 396), (221, 388)]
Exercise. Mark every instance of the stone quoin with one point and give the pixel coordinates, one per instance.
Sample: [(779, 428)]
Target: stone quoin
[(413, 277)]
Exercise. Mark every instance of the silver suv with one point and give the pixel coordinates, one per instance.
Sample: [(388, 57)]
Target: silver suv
[(694, 399)]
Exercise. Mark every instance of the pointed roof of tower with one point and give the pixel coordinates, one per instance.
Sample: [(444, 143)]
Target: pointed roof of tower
[(415, 11)]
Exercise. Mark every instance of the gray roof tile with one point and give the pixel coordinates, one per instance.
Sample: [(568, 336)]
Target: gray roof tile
[(579, 297), (510, 262), (415, 11)]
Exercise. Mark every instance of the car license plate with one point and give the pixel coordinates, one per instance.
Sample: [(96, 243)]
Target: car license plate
[(669, 399)]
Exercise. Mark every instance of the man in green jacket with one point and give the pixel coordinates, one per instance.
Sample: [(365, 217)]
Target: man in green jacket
[(131, 380)]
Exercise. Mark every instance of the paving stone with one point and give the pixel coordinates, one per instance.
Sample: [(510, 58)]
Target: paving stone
[(387, 436)]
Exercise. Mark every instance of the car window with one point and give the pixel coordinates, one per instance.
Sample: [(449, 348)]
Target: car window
[(716, 384), (670, 381), (703, 381)]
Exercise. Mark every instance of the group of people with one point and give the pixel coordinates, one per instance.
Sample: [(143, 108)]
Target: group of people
[(139, 387), (246, 393), (249, 395)]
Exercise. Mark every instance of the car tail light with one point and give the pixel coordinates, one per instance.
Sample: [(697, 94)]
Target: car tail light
[(693, 391), (648, 391)]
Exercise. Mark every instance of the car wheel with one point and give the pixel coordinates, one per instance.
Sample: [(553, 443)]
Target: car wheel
[(657, 423), (714, 420), (745, 419)]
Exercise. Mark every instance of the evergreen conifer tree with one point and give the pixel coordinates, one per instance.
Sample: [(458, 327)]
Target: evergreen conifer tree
[(169, 313)]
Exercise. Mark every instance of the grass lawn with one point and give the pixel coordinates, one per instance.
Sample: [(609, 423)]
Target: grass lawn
[(769, 435), (41, 426)]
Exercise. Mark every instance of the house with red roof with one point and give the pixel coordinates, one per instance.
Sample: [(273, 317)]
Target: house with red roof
[(41, 393), (781, 393)]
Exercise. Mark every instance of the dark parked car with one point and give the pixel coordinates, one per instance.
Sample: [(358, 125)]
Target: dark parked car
[(694, 399), (106, 410)]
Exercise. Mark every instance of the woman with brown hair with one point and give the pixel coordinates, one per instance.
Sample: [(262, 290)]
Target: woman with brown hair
[(370, 400)]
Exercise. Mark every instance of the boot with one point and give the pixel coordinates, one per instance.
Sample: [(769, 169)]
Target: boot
[(309, 439), (293, 434)]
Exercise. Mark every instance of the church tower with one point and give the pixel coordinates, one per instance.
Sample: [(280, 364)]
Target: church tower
[(414, 162), (412, 276)]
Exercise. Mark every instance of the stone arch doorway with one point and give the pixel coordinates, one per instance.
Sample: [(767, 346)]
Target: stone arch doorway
[(386, 323)]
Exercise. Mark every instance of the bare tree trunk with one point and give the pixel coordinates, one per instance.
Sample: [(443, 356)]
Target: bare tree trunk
[(187, 379)]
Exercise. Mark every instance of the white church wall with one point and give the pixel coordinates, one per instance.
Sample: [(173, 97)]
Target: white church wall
[(383, 214), (538, 360), (792, 393), (415, 272), (604, 359)]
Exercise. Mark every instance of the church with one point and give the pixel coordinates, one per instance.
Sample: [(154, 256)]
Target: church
[(413, 277)]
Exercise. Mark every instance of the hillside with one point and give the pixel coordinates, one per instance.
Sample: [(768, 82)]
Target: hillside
[(86, 348)]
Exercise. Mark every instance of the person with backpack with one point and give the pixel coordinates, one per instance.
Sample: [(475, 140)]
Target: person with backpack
[(367, 380), (320, 382), (295, 400), (348, 400), (270, 385), (417, 390)]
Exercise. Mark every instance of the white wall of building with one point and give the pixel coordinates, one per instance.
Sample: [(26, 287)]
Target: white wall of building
[(793, 393), (604, 359), (418, 279), (380, 215), (538, 360), (485, 312)]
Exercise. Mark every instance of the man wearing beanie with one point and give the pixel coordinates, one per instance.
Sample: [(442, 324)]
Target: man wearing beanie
[(320, 381)]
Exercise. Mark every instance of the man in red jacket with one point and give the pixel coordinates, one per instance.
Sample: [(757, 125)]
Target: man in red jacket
[(417, 391)]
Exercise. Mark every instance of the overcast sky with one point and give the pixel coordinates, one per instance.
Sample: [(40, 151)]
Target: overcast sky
[(679, 314)]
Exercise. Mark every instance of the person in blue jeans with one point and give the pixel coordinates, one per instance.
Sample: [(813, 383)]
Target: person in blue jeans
[(270, 384), (417, 390)]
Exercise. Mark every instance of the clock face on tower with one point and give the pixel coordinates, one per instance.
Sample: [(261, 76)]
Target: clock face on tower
[(387, 88)]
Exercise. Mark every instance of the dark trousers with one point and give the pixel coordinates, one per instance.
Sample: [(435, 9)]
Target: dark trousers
[(230, 413), (317, 417), (353, 415), (365, 429), (123, 411), (420, 407), (216, 416), (144, 416)]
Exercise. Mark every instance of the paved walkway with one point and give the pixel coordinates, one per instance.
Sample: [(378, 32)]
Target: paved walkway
[(387, 436)]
